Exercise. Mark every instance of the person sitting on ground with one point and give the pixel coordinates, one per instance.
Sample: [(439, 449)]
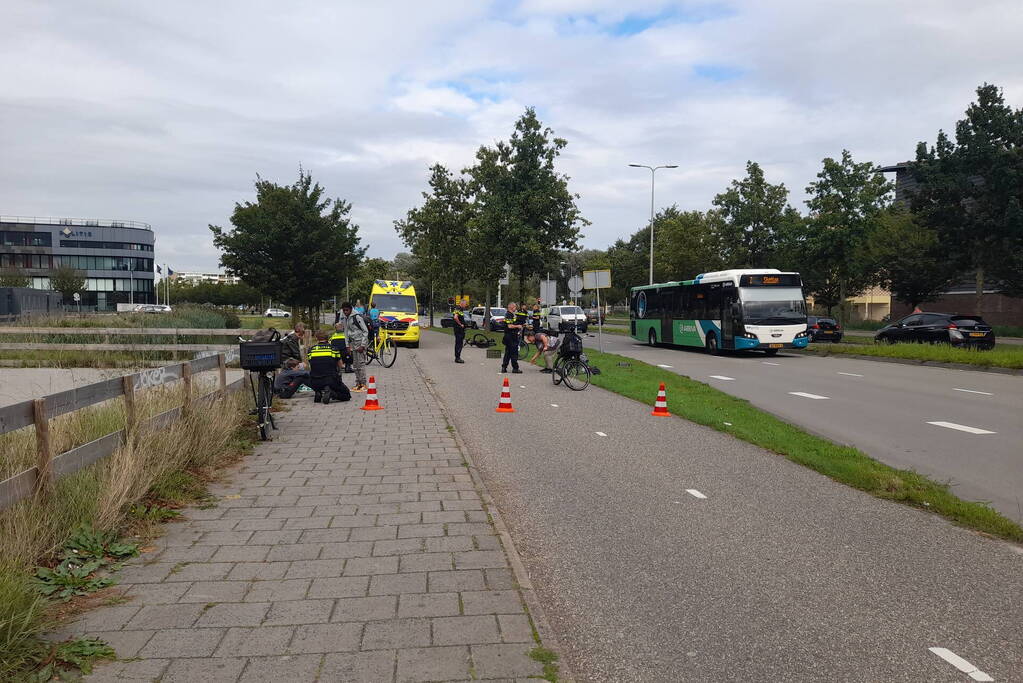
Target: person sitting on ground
[(325, 371), (546, 345), (291, 378), (291, 343)]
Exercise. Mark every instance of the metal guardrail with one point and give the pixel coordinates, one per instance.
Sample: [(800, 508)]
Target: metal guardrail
[(76, 222), (39, 480)]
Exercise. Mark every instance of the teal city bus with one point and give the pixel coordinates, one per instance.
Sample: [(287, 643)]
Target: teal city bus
[(742, 310)]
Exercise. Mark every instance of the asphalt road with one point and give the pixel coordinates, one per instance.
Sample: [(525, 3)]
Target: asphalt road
[(778, 574), (884, 409)]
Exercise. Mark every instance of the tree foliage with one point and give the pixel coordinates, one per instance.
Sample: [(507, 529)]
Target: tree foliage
[(14, 277), (67, 281), (751, 212), (970, 191), (292, 243), (910, 260), (524, 212), (216, 293)]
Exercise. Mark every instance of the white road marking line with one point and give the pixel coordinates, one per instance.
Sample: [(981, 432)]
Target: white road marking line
[(766, 363), (695, 494), (727, 379), (661, 365), (600, 433), (850, 374), (961, 428), (806, 395), (960, 663), (554, 405), (971, 391), (522, 386)]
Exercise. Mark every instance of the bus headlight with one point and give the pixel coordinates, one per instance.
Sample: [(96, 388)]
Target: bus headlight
[(750, 335), (804, 333)]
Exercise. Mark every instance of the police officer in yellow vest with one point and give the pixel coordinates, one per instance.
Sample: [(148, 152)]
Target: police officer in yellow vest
[(458, 323), (337, 340), (324, 371)]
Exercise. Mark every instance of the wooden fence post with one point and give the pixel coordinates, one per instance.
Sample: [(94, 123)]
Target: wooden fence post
[(128, 386), (44, 450), (222, 366), (186, 377)]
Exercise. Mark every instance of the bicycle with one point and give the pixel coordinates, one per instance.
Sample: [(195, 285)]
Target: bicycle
[(383, 350), (571, 366), (262, 358)]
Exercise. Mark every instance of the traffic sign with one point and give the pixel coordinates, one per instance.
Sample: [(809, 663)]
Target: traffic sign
[(76, 296), (596, 279), (575, 285), (507, 274)]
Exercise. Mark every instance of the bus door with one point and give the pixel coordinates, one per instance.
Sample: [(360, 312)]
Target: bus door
[(731, 318)]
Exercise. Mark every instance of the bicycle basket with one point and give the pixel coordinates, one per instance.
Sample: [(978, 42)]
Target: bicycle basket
[(261, 355), (571, 346)]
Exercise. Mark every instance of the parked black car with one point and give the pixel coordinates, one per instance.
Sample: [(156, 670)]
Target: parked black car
[(823, 329), (939, 328)]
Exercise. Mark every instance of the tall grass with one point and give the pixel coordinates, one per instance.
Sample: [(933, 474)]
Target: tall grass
[(186, 315), (1003, 356), (100, 495)]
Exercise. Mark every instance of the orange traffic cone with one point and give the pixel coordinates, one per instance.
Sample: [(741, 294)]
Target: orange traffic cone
[(661, 404), (505, 405), (371, 396)]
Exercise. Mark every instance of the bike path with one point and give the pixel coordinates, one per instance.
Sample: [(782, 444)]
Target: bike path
[(777, 574)]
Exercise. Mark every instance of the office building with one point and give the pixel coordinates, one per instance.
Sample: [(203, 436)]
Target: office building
[(115, 256)]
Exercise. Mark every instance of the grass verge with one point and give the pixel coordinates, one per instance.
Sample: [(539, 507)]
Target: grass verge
[(126, 493), (700, 403), (1006, 356)]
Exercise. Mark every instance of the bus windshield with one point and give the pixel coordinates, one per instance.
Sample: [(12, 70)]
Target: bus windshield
[(401, 303), (773, 306)]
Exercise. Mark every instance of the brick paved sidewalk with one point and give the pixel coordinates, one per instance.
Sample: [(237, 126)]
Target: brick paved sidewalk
[(354, 547)]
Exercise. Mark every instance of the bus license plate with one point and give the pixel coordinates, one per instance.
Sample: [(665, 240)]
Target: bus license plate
[(977, 334), (775, 346)]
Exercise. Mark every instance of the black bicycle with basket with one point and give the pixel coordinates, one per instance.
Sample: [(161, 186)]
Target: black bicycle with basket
[(571, 366), (261, 356)]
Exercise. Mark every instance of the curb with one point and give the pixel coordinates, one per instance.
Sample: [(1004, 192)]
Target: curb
[(921, 363), (526, 590)]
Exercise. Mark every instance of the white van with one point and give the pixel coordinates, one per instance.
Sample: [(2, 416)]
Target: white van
[(563, 318), (476, 316)]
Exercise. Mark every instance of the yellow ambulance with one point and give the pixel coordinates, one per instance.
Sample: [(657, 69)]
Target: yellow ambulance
[(399, 310)]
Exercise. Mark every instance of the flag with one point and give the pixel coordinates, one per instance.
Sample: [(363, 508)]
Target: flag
[(158, 269), (169, 271)]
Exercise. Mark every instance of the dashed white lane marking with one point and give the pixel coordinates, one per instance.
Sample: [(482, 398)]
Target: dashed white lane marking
[(522, 386), (961, 428), (661, 365), (727, 379), (766, 363), (806, 395), (695, 494), (600, 433), (850, 374), (960, 663), (972, 391), (554, 405)]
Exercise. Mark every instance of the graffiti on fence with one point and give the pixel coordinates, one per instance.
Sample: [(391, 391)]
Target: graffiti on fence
[(147, 379)]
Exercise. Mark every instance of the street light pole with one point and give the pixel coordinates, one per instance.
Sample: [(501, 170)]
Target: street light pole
[(653, 171)]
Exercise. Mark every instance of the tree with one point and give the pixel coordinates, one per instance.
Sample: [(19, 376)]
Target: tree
[(14, 277), (752, 211), (525, 212), (68, 281), (971, 191), (910, 259), (438, 232), (360, 285), (292, 244), (846, 202)]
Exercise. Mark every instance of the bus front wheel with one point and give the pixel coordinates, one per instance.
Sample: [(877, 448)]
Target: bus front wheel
[(652, 338), (712, 344)]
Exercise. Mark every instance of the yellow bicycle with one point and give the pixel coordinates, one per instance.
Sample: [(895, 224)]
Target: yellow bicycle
[(383, 349)]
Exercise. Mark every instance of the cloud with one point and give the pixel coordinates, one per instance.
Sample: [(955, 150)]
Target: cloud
[(166, 112)]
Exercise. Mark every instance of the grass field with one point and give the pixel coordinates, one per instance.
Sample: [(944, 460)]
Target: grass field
[(1004, 356), (705, 405)]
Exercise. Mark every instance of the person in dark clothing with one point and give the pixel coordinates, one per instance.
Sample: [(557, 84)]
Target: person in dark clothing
[(291, 343), (290, 379), (512, 327), (458, 324), (325, 371), (534, 318)]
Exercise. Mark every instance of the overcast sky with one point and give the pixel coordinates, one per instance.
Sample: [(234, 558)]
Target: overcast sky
[(165, 112)]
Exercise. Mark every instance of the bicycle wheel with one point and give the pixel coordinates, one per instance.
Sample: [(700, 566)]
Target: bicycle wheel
[(263, 409), (556, 375), (576, 375), (523, 350), (270, 401), (388, 353), (480, 340)]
